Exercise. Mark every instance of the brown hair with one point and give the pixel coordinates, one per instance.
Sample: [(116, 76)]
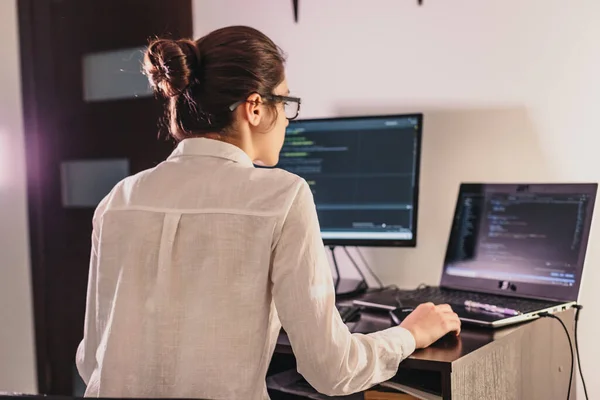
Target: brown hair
[(203, 78)]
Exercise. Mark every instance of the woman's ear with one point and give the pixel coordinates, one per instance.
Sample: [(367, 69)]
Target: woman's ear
[(252, 110)]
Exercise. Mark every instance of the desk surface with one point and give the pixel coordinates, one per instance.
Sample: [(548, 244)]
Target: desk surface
[(438, 357), (534, 357)]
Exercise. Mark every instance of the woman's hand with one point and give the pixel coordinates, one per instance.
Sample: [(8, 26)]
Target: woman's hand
[(429, 322)]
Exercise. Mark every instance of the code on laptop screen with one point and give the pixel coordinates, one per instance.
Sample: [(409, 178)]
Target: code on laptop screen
[(518, 237)]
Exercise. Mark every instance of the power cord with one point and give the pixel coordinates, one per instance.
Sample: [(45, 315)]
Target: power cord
[(379, 282), (578, 307), (548, 315), (366, 264), (362, 275)]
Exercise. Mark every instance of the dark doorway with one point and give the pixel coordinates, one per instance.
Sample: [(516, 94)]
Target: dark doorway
[(84, 118)]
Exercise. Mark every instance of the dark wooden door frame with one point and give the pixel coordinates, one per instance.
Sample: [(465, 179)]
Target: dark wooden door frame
[(39, 69), (34, 26)]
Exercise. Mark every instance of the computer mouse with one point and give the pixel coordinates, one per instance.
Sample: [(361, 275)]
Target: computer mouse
[(399, 314)]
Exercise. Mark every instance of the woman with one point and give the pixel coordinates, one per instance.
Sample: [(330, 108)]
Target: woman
[(195, 262)]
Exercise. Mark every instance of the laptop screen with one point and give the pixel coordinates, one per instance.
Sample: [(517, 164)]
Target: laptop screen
[(520, 240)]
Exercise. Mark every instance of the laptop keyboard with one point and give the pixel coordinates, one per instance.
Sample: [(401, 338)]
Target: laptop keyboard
[(438, 295)]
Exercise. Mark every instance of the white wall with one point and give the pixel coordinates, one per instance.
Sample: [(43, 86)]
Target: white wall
[(17, 360), (509, 89)]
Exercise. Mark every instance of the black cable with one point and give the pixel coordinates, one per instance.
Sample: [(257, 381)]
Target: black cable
[(578, 308), (548, 315), (364, 278), (337, 269), (366, 264)]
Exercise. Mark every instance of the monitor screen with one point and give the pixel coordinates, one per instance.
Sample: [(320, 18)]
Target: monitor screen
[(363, 173), (527, 240)]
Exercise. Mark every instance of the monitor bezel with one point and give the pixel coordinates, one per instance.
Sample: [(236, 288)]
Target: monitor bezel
[(523, 290), (383, 242)]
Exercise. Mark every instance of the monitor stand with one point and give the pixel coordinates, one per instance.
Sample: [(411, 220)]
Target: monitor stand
[(345, 287), (350, 288)]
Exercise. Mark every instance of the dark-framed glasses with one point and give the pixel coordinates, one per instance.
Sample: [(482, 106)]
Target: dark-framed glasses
[(291, 105)]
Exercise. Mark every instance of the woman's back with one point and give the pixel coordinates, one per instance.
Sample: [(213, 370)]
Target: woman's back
[(191, 259), (183, 277)]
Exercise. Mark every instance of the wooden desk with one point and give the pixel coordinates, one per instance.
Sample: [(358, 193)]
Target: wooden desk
[(527, 361)]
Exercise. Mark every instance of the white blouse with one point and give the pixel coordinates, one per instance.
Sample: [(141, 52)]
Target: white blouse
[(194, 264)]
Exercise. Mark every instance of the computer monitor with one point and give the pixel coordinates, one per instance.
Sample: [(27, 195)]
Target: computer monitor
[(364, 175)]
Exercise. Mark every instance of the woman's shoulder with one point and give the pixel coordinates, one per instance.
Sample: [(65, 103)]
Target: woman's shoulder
[(277, 178), (119, 194), (275, 187)]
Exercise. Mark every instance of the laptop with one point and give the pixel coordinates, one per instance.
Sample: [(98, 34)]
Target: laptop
[(514, 251)]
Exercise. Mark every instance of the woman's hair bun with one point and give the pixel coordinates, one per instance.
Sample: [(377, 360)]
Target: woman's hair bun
[(171, 65)]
